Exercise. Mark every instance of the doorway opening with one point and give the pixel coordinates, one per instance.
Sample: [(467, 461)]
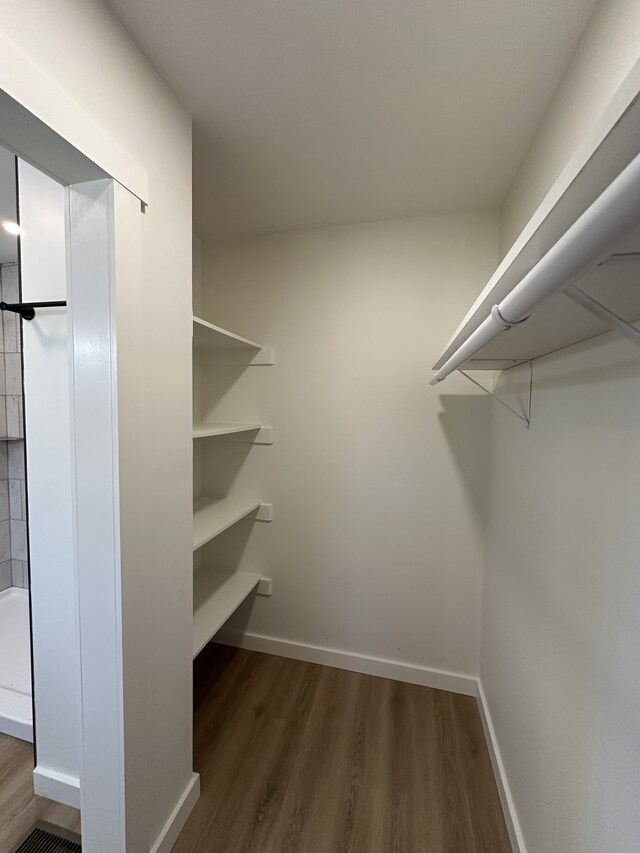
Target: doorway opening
[(16, 713)]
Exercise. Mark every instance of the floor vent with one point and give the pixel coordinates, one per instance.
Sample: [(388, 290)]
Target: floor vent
[(49, 839)]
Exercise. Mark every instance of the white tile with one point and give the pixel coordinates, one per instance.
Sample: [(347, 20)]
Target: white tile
[(4, 499), (14, 416), (16, 459), (16, 499), (13, 373), (18, 539), (6, 577), (3, 384), (5, 541), (3, 416)]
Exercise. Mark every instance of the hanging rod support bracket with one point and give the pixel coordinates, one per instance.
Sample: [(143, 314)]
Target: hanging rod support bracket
[(526, 418), (603, 313), (27, 310)]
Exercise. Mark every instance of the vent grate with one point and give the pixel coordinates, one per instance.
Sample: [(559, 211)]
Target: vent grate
[(41, 840)]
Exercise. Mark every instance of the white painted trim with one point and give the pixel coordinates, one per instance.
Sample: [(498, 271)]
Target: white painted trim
[(397, 670), (56, 786), (41, 96), (92, 349), (508, 806), (178, 817)]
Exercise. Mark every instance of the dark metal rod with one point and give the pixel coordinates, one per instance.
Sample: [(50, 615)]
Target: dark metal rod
[(27, 309)]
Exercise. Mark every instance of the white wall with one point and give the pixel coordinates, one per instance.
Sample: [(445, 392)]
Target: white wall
[(80, 45), (606, 54), (560, 627), (378, 483), (560, 621)]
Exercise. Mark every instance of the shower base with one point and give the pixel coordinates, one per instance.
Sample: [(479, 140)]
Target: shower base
[(16, 713)]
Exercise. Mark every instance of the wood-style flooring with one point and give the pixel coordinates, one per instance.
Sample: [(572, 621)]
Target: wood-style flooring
[(301, 758), (19, 806)]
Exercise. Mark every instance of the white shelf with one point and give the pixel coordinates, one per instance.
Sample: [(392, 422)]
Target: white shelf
[(212, 516), (610, 145), (205, 430), (208, 336), (214, 602), (251, 433), (560, 323)]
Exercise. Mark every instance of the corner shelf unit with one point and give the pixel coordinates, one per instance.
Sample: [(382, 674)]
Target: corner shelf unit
[(216, 596)]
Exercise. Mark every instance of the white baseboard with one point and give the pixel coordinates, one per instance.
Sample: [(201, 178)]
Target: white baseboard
[(178, 817), (397, 670), (508, 806), (56, 786)]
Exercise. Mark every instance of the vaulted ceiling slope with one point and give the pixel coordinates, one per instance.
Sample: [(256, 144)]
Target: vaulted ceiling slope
[(314, 112)]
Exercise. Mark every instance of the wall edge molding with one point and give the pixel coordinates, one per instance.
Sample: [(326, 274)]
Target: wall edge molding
[(504, 790), (56, 786), (397, 670), (178, 817)]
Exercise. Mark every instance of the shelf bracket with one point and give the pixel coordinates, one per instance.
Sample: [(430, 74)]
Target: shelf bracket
[(603, 313), (27, 310), (526, 418)]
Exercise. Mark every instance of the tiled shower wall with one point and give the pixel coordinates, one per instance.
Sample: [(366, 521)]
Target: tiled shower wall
[(13, 525)]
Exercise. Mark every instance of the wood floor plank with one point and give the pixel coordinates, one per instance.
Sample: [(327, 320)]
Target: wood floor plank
[(300, 758), (19, 807), (481, 789)]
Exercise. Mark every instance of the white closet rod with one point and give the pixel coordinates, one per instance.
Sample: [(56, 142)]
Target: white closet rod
[(586, 243)]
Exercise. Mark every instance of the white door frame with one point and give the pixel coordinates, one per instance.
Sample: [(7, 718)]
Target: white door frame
[(103, 254)]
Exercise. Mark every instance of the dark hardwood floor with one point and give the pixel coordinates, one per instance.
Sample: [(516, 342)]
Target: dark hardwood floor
[(19, 807), (300, 758)]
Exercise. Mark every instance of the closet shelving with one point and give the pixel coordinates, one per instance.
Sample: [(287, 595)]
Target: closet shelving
[(205, 430), (254, 433), (215, 601), (217, 594), (212, 516), (573, 273), (208, 336), (226, 347)]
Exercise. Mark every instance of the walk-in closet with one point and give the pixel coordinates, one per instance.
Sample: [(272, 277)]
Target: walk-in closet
[(319, 426)]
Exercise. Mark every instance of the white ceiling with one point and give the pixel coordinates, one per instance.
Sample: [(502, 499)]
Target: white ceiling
[(8, 244), (313, 112)]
